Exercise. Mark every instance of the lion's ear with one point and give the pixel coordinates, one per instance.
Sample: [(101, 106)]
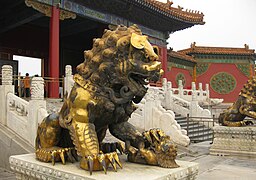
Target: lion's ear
[(138, 41)]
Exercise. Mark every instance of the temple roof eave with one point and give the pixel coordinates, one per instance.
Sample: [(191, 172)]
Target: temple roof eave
[(166, 9), (181, 56), (149, 13)]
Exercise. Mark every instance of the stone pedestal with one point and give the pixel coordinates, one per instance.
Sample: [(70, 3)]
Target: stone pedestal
[(239, 141), (27, 167)]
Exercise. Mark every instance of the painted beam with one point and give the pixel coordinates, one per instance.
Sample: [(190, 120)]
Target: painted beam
[(159, 37)]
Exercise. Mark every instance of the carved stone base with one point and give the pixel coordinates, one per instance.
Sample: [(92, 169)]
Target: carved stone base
[(27, 167), (239, 141)]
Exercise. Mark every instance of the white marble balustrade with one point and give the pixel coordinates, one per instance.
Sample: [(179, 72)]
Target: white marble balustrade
[(20, 115)]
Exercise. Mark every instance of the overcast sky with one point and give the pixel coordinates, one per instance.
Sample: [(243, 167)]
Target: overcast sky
[(28, 65), (228, 23)]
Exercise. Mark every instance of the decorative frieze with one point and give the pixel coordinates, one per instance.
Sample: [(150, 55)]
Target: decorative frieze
[(201, 68), (223, 83), (46, 9), (244, 68), (234, 141)]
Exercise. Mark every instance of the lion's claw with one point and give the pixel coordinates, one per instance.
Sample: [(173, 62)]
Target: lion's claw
[(56, 154), (112, 147), (100, 161)]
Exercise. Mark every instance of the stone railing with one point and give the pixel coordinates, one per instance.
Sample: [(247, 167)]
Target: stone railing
[(200, 95), (234, 141), (180, 105), (151, 114), (186, 94), (18, 114)]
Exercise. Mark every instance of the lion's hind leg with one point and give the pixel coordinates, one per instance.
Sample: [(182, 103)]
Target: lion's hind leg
[(48, 142)]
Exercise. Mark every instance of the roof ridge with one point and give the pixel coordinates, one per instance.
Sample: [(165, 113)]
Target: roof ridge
[(217, 50), (187, 15)]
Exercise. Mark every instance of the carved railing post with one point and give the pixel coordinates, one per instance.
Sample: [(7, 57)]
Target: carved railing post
[(5, 88), (36, 103), (68, 79), (37, 88), (168, 96), (200, 88), (194, 103), (164, 85), (7, 75), (207, 91), (194, 93)]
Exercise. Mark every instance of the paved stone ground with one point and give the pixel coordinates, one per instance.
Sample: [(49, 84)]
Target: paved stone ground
[(210, 167), (6, 175), (220, 167)]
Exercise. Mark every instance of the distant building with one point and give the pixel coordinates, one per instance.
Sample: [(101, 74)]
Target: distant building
[(181, 67), (225, 69)]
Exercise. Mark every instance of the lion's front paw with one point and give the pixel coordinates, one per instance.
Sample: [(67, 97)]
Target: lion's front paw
[(100, 162)]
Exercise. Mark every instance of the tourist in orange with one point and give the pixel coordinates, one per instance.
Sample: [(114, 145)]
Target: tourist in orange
[(27, 85)]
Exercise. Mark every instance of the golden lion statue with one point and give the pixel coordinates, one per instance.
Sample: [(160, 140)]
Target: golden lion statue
[(108, 83), (244, 106)]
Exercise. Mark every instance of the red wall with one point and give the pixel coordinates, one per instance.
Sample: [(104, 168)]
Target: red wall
[(171, 76), (222, 67)]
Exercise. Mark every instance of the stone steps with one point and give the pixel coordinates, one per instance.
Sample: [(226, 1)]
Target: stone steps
[(197, 132)]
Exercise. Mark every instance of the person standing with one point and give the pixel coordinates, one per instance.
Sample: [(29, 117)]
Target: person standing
[(27, 85), (21, 87)]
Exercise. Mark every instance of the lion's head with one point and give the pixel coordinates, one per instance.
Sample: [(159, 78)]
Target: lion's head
[(122, 62)]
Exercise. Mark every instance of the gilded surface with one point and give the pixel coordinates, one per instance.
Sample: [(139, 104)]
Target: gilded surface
[(108, 83), (47, 10), (245, 106)]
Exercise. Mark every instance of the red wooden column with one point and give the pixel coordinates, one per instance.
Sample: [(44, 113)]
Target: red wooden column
[(164, 61), (54, 53)]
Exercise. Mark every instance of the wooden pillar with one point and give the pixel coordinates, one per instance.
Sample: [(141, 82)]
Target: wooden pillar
[(54, 53), (194, 74)]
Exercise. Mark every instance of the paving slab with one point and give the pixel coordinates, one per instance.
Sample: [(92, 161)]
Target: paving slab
[(6, 175), (220, 167)]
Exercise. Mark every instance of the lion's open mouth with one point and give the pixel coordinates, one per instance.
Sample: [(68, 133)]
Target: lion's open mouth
[(139, 79)]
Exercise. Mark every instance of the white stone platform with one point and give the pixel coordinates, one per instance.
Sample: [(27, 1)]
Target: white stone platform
[(239, 141), (27, 167)]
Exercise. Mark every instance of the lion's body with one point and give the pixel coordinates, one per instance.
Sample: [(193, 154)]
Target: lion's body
[(108, 83)]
